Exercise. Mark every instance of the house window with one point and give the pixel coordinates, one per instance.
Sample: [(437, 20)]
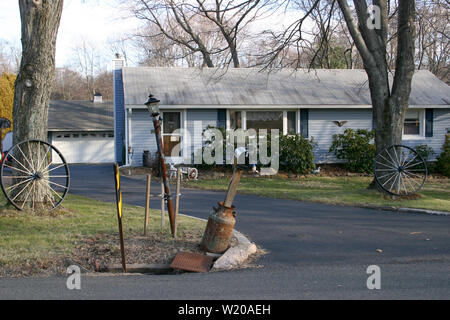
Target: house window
[(291, 121), (235, 120), (265, 120), (171, 134), (171, 122), (412, 126)]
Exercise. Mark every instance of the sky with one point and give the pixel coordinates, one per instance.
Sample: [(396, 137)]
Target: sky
[(93, 21)]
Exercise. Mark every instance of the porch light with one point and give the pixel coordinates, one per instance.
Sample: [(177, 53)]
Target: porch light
[(153, 105)]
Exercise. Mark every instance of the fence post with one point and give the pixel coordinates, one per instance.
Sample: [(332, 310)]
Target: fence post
[(163, 209), (147, 203), (177, 201)]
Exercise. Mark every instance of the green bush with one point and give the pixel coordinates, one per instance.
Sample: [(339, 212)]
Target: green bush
[(425, 152), (296, 154), (356, 148), (443, 161)]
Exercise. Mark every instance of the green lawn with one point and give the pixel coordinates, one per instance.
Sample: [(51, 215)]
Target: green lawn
[(350, 191), (26, 237)]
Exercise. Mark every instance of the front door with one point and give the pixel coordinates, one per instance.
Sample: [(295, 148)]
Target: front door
[(171, 136)]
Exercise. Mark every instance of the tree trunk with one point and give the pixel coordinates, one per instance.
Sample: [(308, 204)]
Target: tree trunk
[(40, 23)]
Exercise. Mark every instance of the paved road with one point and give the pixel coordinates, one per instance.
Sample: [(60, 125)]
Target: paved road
[(315, 252)]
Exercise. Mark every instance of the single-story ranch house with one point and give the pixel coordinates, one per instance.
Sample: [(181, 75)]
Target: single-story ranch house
[(314, 104), (82, 130)]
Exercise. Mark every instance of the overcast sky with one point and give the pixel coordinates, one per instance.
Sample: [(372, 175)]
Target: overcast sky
[(92, 21)]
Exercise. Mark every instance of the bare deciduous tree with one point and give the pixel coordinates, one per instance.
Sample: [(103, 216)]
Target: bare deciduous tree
[(89, 62), (389, 102), (433, 37), (231, 17), (40, 24), (10, 57), (177, 22)]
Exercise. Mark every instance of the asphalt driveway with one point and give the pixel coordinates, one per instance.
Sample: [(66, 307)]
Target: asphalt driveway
[(314, 251)]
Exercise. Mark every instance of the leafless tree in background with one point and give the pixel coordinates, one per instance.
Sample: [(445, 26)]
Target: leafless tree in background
[(177, 22), (433, 40), (122, 44), (185, 30), (89, 62), (70, 85), (10, 56), (160, 50), (231, 18)]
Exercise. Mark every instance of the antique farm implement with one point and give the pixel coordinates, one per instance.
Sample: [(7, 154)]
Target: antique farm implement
[(400, 171), (34, 176)]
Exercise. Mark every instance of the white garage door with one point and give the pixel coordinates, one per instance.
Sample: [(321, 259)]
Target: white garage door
[(85, 147)]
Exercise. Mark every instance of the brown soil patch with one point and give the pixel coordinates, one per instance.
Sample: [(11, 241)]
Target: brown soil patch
[(102, 250)]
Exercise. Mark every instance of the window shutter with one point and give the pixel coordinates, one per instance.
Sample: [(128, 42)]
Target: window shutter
[(304, 122), (428, 123), (221, 118)]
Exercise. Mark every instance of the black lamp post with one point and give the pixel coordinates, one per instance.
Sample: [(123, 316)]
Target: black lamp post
[(153, 107)]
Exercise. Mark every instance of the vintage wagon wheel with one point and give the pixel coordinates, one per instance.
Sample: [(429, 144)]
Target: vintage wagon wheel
[(192, 174), (35, 176), (400, 170)]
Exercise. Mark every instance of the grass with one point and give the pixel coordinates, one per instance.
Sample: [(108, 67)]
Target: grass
[(26, 237), (351, 191)]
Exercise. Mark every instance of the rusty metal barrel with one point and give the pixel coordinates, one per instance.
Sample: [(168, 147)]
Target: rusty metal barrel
[(219, 229)]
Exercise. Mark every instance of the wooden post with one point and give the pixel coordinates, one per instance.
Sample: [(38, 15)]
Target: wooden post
[(119, 214), (177, 200), (163, 209), (232, 188), (157, 126), (147, 203)]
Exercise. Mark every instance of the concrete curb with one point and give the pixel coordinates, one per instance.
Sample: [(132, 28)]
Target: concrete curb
[(424, 211), (408, 210)]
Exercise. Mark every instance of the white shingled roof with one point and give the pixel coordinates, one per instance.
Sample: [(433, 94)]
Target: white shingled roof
[(251, 87)]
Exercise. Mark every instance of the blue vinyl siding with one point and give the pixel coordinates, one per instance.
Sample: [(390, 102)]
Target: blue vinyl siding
[(322, 128), (441, 125), (141, 136), (197, 121)]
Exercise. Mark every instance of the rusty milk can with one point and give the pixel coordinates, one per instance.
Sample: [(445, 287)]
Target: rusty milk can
[(219, 229)]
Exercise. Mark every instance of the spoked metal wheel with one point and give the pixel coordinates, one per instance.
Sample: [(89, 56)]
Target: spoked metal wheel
[(400, 170), (35, 176)]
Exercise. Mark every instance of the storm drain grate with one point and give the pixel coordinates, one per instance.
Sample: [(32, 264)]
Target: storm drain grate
[(194, 262)]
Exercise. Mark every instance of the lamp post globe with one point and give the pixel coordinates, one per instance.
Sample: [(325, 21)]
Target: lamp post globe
[(153, 105)]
